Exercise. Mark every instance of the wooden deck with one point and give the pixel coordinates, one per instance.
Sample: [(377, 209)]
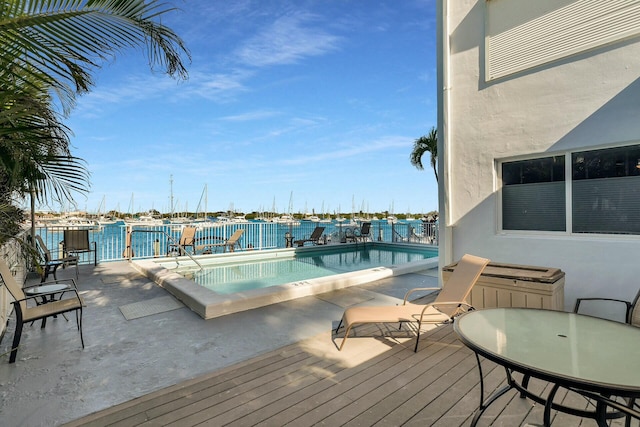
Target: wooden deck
[(375, 380)]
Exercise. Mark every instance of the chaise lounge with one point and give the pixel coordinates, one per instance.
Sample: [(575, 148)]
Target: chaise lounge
[(229, 244), (314, 238), (449, 303)]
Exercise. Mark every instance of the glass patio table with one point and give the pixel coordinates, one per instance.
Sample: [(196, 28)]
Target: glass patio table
[(597, 358)]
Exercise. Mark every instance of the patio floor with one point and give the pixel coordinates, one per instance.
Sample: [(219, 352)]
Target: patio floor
[(272, 366)]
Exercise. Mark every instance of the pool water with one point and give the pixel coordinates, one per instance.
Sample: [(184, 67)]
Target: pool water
[(229, 278)]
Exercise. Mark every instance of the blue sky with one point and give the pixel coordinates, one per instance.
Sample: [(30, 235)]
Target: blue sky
[(317, 101)]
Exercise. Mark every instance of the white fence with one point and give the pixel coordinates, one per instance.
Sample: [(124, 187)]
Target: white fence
[(153, 241)]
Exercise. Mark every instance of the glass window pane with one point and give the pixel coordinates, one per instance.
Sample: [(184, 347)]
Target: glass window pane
[(607, 163), (538, 206), (606, 190), (533, 194), (607, 205)]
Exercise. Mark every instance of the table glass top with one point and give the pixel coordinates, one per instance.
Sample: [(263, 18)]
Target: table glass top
[(582, 348), (46, 288)]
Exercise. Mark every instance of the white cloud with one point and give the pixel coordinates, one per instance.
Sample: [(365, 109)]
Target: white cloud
[(355, 150), (251, 116), (286, 41)]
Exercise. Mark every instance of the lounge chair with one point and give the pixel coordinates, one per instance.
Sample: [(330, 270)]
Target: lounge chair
[(187, 240), (25, 314), (449, 303), (76, 242), (230, 243), (51, 264), (632, 308), (314, 238)]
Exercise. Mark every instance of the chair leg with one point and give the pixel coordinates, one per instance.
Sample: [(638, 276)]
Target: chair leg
[(415, 350), (16, 341), (339, 324), (79, 321), (346, 335)]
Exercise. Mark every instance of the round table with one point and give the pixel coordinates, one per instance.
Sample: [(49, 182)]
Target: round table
[(46, 290), (597, 358)]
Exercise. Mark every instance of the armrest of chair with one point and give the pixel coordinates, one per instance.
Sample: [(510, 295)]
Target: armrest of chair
[(626, 303), (459, 304), (410, 291)]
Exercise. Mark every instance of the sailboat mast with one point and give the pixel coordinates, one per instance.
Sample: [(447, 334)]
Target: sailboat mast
[(171, 194)]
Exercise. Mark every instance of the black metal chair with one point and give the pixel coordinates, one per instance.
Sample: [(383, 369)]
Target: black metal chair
[(632, 308), (314, 238), (51, 264), (364, 232), (77, 242), (30, 312)]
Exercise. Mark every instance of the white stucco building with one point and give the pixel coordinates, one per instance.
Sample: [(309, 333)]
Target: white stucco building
[(539, 138)]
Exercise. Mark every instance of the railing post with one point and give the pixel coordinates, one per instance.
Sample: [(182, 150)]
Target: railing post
[(156, 248), (128, 250)]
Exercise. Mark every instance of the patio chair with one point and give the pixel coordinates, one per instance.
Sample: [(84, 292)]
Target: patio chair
[(51, 264), (449, 303), (632, 308), (230, 243), (363, 233), (26, 313), (187, 239), (314, 238), (76, 242)]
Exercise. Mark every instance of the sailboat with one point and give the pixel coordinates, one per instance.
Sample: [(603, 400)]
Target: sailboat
[(102, 219), (288, 218), (204, 221)]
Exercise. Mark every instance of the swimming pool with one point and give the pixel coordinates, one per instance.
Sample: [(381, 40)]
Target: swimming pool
[(235, 282)]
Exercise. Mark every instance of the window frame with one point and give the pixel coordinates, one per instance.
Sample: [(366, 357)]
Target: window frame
[(569, 179)]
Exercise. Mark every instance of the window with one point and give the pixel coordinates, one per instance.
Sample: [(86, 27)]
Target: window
[(533, 194), (604, 188), (606, 191)]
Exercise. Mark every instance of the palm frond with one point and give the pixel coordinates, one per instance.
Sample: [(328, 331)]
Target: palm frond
[(64, 40)]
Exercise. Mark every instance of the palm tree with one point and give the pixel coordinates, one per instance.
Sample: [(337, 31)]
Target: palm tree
[(60, 43), (50, 48), (426, 143)]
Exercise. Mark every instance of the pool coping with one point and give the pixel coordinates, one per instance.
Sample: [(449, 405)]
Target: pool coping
[(209, 304)]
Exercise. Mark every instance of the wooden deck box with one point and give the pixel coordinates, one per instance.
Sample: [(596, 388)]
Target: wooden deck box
[(511, 285)]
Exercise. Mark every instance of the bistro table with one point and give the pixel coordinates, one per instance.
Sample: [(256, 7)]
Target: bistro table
[(597, 358)]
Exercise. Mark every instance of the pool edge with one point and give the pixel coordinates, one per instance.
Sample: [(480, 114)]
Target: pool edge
[(208, 304)]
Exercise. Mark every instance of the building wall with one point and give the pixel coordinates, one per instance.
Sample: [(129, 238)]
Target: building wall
[(588, 99)]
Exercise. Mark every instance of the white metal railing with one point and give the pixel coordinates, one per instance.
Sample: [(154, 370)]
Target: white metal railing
[(111, 240)]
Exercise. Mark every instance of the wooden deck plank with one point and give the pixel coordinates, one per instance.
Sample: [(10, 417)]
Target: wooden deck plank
[(376, 380), (318, 403), (434, 358), (128, 412), (466, 394), (374, 391), (221, 396), (245, 397)]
